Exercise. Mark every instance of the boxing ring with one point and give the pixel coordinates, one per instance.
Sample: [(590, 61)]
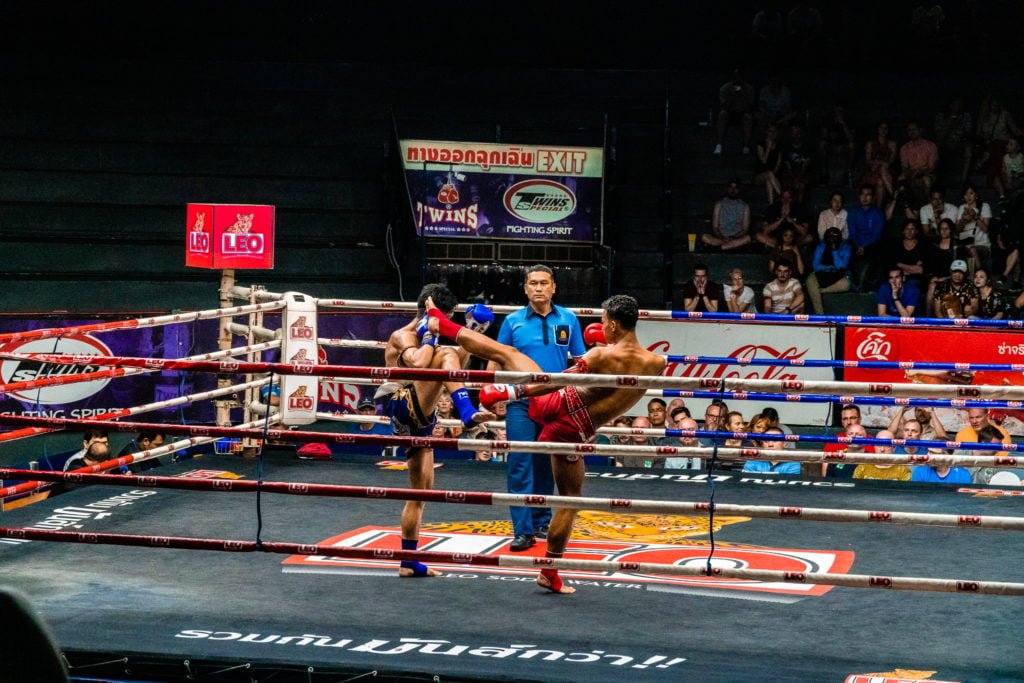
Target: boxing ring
[(229, 568)]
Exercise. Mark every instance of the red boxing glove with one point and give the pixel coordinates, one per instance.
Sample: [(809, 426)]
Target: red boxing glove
[(594, 334), (493, 395)]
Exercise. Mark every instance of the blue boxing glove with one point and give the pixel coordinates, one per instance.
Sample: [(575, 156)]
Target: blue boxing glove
[(427, 338), (479, 317)]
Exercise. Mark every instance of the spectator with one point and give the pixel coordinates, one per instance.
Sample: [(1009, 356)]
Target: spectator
[(911, 431), (866, 223), (682, 463), (775, 103), (831, 269), (930, 426), (647, 460), (783, 294), (738, 297), (918, 159), (757, 424), (956, 297), (1010, 180), (143, 441), (844, 470), (366, 408), (734, 423), (954, 133), (772, 466), (95, 449), (849, 415), (621, 422), (935, 210), (897, 297), (992, 303), (987, 434), (940, 474), (879, 471), (785, 212), (714, 418), (730, 221), (675, 404), (700, 293), (736, 104), (972, 221), (833, 217), (550, 335), (797, 163), (977, 420), (656, 413), (995, 126), (940, 258), (772, 416), (788, 250), (768, 163), (879, 156), (836, 148), (909, 253)]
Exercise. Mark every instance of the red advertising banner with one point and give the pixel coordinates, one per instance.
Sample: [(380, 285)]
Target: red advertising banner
[(229, 236), (934, 345)]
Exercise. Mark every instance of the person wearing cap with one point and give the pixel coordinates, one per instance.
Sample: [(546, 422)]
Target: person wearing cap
[(367, 408), (956, 297), (897, 297), (730, 221)]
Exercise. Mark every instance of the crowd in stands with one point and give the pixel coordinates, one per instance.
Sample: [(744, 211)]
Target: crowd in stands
[(928, 221)]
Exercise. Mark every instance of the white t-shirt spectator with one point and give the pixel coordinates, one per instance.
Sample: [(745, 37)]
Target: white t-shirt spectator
[(782, 296), (745, 300), (971, 229), (829, 219), (928, 220)]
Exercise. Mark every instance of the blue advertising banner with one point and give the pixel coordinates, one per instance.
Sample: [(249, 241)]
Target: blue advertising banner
[(468, 189)]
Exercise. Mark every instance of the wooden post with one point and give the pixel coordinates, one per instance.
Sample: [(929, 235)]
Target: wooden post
[(227, 281)]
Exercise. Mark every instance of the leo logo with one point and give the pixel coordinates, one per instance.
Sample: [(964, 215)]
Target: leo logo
[(417, 442), (455, 496), (543, 561), (387, 304), (702, 506), (665, 450), (242, 244), (748, 316), (304, 368), (146, 481), (81, 358), (274, 434), (792, 384), (835, 455), (158, 541), (306, 549), (880, 581), (200, 431), (462, 558), (344, 438), (629, 566), (794, 577), (300, 332), (376, 492), (750, 452), (74, 476), (621, 503), (234, 545), (1003, 460), (380, 372), (968, 392), (585, 448), (299, 400), (710, 382), (967, 586), (229, 365), (880, 516), (880, 388), (294, 487), (153, 363), (540, 378), (627, 381), (969, 520), (221, 484), (383, 553), (535, 500), (88, 538), (918, 457), (790, 512), (459, 375), (199, 241)]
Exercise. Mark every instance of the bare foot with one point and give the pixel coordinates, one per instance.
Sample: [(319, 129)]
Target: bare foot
[(544, 582), (410, 573)]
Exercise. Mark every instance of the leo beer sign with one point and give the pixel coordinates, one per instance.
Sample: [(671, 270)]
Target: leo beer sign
[(229, 236)]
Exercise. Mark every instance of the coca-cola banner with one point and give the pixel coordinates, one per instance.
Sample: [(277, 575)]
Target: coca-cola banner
[(745, 341), (923, 345), (471, 189)]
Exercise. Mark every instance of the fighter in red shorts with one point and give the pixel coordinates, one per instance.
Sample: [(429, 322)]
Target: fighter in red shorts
[(568, 413)]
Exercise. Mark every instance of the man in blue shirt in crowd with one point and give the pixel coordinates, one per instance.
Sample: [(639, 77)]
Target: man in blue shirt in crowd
[(551, 336), (897, 297), (865, 222)]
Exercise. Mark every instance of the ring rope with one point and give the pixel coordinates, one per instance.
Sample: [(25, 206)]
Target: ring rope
[(623, 505), (137, 323), (888, 389), (788, 455), (226, 545)]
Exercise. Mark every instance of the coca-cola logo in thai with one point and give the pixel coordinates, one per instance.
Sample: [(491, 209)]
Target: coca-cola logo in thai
[(875, 346)]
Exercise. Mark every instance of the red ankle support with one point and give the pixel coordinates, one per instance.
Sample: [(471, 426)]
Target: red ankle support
[(445, 326)]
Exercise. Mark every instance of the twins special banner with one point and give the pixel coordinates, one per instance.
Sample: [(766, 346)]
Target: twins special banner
[(924, 345), (470, 189), (750, 342)]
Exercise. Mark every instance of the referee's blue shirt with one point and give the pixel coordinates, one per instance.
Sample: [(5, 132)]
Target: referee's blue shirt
[(549, 340)]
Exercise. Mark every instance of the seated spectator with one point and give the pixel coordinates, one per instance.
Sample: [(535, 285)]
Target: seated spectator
[(701, 293), (866, 222), (940, 256), (772, 441), (95, 449), (836, 147), (940, 474), (772, 416), (911, 431), (1010, 180), (972, 221), (736, 105), (738, 297), (367, 408), (767, 163), (930, 425), (144, 441), (935, 210), (788, 250), (977, 420), (988, 434), (956, 297), (897, 297), (797, 163), (733, 422), (909, 253), (783, 213), (656, 413), (647, 460), (682, 463), (844, 470), (879, 471), (783, 294), (757, 424), (714, 419), (775, 103), (992, 304), (621, 422), (833, 217), (730, 221), (918, 159), (676, 404), (830, 274), (879, 156), (954, 133)]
